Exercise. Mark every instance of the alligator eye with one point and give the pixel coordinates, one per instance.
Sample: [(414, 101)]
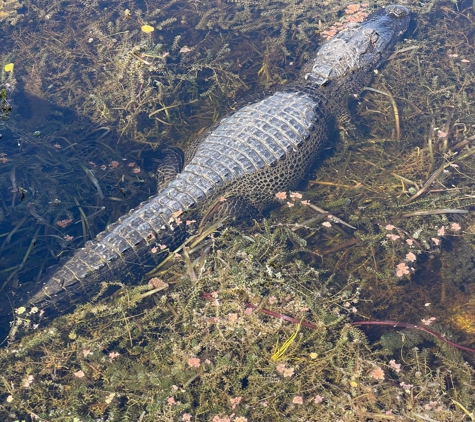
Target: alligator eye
[(396, 11)]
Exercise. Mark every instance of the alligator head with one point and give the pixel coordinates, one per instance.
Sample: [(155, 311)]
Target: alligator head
[(359, 47)]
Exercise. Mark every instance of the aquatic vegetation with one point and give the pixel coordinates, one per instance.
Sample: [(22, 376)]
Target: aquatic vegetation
[(382, 232), (177, 354), (9, 11)]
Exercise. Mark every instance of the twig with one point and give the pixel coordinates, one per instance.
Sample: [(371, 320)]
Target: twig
[(394, 324), (336, 219), (343, 245), (433, 212), (427, 184)]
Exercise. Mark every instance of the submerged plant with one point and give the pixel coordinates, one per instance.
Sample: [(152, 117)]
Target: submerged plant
[(223, 330)]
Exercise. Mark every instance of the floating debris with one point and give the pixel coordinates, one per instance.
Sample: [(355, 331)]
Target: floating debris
[(147, 29)]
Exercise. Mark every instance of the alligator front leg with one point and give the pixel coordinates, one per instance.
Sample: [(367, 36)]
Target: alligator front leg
[(171, 164)]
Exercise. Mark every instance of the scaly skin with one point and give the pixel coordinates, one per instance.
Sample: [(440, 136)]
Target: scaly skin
[(263, 148)]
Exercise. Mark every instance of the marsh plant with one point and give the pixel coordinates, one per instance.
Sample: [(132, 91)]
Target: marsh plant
[(251, 323)]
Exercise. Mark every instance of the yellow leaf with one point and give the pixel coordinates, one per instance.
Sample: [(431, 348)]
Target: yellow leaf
[(147, 29), (9, 67)]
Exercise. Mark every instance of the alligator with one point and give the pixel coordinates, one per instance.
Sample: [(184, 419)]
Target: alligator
[(239, 164)]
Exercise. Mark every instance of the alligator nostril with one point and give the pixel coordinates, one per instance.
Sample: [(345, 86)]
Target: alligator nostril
[(396, 10)]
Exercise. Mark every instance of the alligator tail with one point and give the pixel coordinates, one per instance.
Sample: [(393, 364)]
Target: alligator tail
[(126, 250)]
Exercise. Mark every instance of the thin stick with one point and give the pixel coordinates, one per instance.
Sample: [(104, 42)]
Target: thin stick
[(427, 184), (396, 324), (336, 219), (395, 109), (433, 212)]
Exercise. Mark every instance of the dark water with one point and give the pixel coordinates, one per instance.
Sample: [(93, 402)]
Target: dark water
[(95, 99)]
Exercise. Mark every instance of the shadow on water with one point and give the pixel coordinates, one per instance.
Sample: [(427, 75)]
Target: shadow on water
[(61, 183), (82, 69)]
